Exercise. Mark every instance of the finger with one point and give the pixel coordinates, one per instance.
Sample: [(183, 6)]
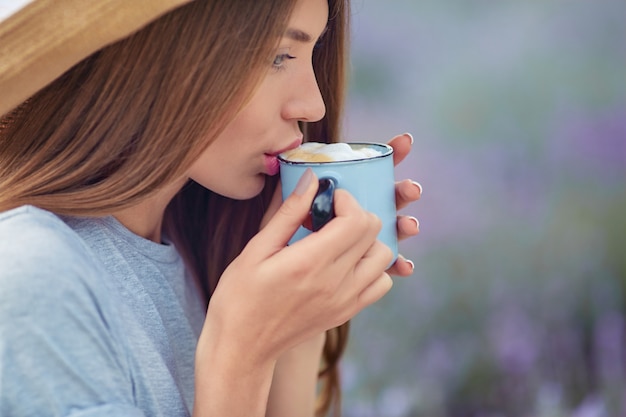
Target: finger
[(407, 191), (273, 206), (407, 226), (375, 291), (289, 216), (369, 267), (345, 238), (364, 225), (401, 145), (364, 243), (402, 267)]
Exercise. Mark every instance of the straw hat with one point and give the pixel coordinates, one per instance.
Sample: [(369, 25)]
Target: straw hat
[(41, 39)]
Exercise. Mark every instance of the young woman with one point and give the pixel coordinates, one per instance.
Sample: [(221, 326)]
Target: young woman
[(136, 190)]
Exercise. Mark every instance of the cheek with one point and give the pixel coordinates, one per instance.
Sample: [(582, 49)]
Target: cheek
[(227, 175), (232, 165)]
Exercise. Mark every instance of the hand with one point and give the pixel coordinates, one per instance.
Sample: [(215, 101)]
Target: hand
[(407, 192), (274, 296)]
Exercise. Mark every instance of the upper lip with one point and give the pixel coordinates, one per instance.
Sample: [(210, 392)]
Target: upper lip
[(293, 145)]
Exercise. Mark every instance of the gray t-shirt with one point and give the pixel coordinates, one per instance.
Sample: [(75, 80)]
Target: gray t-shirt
[(94, 320)]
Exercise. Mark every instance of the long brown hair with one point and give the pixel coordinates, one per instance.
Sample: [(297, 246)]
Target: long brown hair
[(130, 119)]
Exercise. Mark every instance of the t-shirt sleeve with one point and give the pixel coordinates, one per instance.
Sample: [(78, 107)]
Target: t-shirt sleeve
[(58, 354)]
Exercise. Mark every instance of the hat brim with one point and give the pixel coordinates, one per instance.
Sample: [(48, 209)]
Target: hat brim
[(45, 38)]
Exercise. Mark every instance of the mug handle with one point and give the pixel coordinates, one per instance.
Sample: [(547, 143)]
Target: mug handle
[(322, 208)]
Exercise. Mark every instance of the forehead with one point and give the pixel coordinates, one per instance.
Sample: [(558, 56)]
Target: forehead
[(308, 20)]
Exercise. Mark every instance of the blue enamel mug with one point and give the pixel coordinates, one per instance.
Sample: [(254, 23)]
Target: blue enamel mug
[(370, 180)]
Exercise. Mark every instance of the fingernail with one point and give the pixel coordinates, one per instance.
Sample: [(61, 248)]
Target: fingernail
[(410, 137), (417, 223), (410, 262), (304, 182), (418, 185)]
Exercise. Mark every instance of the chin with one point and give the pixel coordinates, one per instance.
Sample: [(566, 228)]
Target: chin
[(246, 191)]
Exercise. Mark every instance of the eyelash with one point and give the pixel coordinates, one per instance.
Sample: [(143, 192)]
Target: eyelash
[(280, 59)]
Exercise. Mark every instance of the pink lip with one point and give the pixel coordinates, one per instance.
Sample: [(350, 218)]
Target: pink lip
[(272, 166), (293, 145)]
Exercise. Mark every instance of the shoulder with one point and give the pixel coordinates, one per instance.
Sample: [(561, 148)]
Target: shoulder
[(40, 256), (27, 228), (57, 321), (34, 240), (53, 294)]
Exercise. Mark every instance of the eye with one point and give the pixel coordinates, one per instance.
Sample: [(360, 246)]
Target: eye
[(280, 59)]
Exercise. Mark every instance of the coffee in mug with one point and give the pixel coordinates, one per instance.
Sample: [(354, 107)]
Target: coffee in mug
[(329, 152), (365, 170)]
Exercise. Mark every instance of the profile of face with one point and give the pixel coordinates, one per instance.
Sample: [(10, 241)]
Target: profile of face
[(237, 162)]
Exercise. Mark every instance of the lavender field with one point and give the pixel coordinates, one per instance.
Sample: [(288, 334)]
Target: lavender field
[(518, 303)]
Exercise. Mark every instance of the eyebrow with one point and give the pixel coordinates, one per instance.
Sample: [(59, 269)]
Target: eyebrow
[(301, 36), (298, 35)]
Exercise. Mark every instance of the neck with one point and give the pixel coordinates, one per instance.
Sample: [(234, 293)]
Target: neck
[(145, 219)]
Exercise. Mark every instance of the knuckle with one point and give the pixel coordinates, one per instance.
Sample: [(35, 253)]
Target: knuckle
[(344, 196), (345, 202), (389, 255), (376, 222), (385, 252), (303, 267), (367, 218), (360, 219), (387, 283), (346, 314), (328, 290)]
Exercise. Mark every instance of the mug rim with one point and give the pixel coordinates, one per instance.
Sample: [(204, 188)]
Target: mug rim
[(388, 151)]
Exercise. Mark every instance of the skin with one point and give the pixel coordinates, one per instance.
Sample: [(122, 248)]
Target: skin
[(295, 376), (260, 357)]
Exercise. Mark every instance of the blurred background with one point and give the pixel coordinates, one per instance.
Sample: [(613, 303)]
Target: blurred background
[(518, 303)]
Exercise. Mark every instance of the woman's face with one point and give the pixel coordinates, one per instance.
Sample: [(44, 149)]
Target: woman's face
[(237, 161)]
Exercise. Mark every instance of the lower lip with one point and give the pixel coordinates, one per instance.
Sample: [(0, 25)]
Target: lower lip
[(272, 166)]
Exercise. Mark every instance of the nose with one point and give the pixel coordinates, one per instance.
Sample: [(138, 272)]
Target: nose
[(305, 102)]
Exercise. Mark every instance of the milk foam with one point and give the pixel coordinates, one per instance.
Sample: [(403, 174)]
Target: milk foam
[(328, 152)]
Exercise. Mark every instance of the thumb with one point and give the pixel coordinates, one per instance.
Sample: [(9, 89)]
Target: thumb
[(290, 215)]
